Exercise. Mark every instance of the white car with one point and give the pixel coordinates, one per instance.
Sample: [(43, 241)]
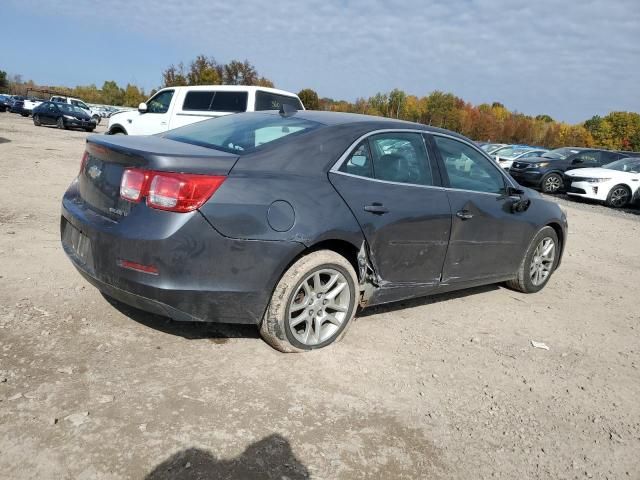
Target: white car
[(506, 156), (174, 107), (616, 183)]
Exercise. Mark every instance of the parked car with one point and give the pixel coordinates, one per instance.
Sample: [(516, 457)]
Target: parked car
[(506, 156), (29, 104), (80, 104), (492, 147), (616, 184), (62, 115), (546, 171), (17, 102), (4, 103), (291, 220), (178, 106)]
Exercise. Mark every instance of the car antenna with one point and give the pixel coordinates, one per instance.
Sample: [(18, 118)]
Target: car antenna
[(287, 110)]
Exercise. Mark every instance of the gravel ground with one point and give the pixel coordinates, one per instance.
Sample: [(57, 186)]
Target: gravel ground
[(445, 387)]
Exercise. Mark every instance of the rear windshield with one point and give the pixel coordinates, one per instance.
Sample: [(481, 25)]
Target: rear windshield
[(213, 101), (273, 101), (241, 133)]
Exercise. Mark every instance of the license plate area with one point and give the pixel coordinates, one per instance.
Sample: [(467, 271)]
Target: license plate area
[(78, 244)]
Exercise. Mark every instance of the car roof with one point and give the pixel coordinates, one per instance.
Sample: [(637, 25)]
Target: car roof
[(233, 88), (343, 118)]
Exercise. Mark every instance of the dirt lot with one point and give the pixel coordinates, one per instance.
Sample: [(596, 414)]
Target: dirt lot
[(447, 387)]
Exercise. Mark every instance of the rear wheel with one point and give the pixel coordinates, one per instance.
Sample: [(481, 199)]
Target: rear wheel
[(313, 303), (619, 196), (89, 129), (551, 183), (60, 123), (36, 120), (538, 263)]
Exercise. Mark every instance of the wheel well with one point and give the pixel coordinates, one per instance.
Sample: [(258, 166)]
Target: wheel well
[(117, 129), (341, 247), (559, 232)]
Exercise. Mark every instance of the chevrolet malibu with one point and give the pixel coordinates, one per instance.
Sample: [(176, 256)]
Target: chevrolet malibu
[(292, 220)]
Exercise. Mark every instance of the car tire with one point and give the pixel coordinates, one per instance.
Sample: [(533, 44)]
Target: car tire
[(36, 120), (60, 124), (97, 119), (89, 130), (551, 183), (619, 196), (526, 280), (307, 325)]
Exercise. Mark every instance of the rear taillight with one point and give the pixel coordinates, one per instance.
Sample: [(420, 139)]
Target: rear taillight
[(134, 184), (83, 163), (176, 192)]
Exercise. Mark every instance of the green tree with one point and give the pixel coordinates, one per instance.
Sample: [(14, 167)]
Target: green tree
[(4, 83), (309, 99), (240, 73), (174, 76), (204, 71), (133, 96), (112, 94)]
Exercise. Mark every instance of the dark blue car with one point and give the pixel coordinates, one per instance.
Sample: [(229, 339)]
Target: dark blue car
[(291, 220)]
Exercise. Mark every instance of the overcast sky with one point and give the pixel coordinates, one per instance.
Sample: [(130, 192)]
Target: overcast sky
[(569, 59)]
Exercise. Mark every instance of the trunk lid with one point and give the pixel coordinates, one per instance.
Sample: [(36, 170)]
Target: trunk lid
[(108, 157)]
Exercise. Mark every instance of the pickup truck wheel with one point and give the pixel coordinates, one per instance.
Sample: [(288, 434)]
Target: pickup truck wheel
[(60, 124), (313, 303), (36, 120)]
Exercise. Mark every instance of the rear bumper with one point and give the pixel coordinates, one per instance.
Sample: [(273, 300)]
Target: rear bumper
[(202, 275)]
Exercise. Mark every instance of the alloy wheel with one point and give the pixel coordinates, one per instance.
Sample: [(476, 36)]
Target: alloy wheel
[(319, 306), (552, 183), (542, 261), (619, 197)]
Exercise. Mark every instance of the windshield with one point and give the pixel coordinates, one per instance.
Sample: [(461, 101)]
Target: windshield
[(631, 165), (241, 133), (559, 153), (511, 152), (66, 108)]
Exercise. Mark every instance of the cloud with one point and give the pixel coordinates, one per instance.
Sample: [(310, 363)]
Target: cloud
[(567, 59)]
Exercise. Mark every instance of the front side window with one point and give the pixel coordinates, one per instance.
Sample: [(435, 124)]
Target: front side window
[(213, 101), (161, 102), (274, 101), (467, 168)]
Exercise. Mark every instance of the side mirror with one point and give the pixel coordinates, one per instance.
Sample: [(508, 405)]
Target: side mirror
[(142, 108), (519, 201), (514, 192)]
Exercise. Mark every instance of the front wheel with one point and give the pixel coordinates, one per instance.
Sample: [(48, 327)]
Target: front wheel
[(539, 262), (619, 196), (552, 183), (313, 303), (60, 123)]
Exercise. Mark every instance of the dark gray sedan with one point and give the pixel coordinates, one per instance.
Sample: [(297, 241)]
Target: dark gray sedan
[(291, 220)]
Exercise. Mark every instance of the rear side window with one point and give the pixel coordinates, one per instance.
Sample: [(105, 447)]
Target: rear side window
[(273, 101), (393, 157), (212, 101)]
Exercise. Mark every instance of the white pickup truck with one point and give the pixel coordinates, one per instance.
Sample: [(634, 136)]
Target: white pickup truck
[(94, 114), (175, 107)]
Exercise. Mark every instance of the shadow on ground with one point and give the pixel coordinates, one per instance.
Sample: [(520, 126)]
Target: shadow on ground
[(216, 332), (269, 458)]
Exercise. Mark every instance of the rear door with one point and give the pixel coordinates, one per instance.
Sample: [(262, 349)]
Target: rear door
[(392, 186), (487, 239)]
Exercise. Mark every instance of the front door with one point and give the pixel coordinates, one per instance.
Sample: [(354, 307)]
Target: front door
[(393, 188), (156, 118), (488, 240)]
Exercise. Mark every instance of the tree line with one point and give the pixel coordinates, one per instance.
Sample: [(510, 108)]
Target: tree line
[(485, 122)]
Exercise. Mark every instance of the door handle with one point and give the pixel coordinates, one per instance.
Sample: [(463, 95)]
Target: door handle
[(376, 208), (464, 214)]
